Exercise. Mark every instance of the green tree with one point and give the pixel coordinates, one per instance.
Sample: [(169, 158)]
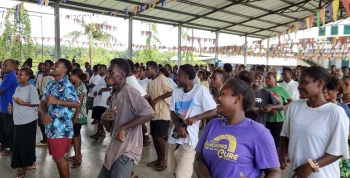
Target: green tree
[(187, 56), (152, 40), (16, 26), (93, 33)]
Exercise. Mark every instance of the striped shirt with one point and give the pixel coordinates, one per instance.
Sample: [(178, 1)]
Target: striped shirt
[(158, 87)]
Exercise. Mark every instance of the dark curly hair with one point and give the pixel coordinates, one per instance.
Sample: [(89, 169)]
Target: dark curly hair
[(49, 62), (79, 73), (203, 73), (335, 84), (227, 67), (95, 68), (316, 73), (189, 70), (164, 71), (240, 87), (29, 72), (67, 65), (123, 65), (77, 65), (152, 64), (220, 72), (247, 77)]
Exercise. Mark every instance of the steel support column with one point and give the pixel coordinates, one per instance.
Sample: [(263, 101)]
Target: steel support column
[(216, 47), (57, 31), (130, 38), (245, 50), (267, 51), (179, 28)]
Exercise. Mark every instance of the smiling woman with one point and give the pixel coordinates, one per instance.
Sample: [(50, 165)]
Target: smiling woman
[(321, 127), (225, 140)]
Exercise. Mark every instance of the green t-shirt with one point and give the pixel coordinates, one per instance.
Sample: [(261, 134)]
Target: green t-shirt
[(282, 94), (81, 89)]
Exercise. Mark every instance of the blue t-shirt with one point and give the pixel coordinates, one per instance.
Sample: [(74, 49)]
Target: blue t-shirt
[(32, 82), (246, 147), (345, 107), (61, 126), (9, 85), (89, 71)]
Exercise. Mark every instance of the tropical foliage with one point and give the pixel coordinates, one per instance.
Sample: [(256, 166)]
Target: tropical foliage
[(93, 33), (16, 27)]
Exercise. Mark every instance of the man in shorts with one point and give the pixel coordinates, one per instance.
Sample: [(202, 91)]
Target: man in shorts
[(92, 85), (102, 93), (57, 105), (159, 91)]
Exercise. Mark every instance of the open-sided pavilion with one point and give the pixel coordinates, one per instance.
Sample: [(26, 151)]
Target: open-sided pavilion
[(249, 18)]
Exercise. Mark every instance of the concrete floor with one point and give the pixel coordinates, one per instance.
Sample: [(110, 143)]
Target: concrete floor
[(93, 152)]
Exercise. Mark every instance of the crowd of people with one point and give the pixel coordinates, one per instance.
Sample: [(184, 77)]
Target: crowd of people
[(219, 121)]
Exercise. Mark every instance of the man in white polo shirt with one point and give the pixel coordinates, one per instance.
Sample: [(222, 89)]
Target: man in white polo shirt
[(289, 84)]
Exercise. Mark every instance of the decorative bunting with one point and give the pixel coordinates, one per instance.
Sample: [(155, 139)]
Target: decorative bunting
[(322, 16), (346, 6), (335, 5), (318, 19), (307, 21), (311, 18), (330, 12)]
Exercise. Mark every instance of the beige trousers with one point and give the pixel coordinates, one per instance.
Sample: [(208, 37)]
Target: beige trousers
[(180, 161)]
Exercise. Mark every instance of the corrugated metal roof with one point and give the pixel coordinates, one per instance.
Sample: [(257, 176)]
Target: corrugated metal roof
[(254, 18)]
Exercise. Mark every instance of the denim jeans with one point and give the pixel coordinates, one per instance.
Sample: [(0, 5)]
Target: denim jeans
[(6, 130), (121, 168)]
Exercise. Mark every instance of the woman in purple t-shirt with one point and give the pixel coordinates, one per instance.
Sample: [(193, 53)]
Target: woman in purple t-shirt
[(235, 146)]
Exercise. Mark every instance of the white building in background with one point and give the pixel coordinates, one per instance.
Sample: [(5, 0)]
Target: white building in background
[(275, 62)]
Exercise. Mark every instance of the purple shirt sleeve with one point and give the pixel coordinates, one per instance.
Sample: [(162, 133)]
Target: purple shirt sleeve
[(265, 152), (200, 144)]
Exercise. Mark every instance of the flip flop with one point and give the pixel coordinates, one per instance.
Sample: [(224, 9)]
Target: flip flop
[(72, 158), (102, 135), (94, 137), (133, 175), (76, 165), (31, 167), (153, 163), (161, 168), (146, 144)]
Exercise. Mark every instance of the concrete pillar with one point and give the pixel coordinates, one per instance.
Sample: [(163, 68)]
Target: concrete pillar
[(179, 37), (216, 47), (57, 31), (245, 50), (130, 38), (267, 51)]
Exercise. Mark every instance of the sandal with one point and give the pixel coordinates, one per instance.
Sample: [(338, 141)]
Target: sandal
[(76, 164), (146, 144), (7, 153), (102, 135), (94, 137), (31, 167), (21, 173), (161, 168), (72, 158), (133, 175), (153, 163)]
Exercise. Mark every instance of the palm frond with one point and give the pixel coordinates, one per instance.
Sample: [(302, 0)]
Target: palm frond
[(74, 35)]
